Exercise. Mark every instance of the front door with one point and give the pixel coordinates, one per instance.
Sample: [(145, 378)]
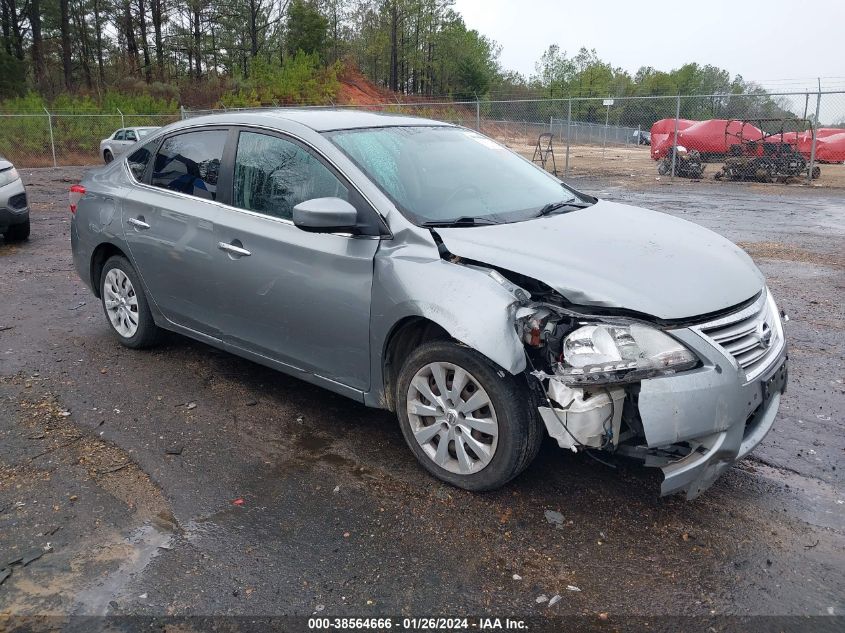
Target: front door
[(296, 297), (169, 226)]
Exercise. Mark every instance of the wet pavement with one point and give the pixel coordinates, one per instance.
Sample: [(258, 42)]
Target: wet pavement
[(184, 480)]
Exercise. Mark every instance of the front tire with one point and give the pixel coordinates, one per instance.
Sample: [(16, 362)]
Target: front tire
[(17, 232), (467, 422), (125, 304), (108, 156)]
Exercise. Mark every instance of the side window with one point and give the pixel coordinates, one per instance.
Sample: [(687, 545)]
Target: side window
[(273, 175), (190, 163), (119, 135), (140, 158), (130, 136)]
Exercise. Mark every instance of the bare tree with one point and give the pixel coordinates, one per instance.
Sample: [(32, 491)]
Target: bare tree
[(145, 47), (37, 42), (157, 12), (64, 27)]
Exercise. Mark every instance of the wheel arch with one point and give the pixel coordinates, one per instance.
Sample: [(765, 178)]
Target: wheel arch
[(409, 333), (99, 258)]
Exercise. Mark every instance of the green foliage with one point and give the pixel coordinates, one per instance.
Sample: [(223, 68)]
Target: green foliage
[(586, 75), (111, 102), (306, 29), (12, 76), (25, 138), (467, 61), (299, 79), (31, 102)]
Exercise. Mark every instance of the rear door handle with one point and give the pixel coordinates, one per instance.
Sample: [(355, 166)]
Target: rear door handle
[(233, 249), (137, 223)]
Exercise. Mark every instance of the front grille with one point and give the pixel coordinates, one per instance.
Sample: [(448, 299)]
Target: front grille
[(18, 201), (753, 336)]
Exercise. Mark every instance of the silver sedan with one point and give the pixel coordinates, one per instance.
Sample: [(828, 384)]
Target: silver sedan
[(424, 268), (121, 140)]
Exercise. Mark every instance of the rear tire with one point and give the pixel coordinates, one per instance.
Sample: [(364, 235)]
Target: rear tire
[(125, 305), (108, 156), (511, 435), (18, 232)]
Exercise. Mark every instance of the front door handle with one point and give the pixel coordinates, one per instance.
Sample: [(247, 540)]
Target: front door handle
[(138, 223), (234, 249)]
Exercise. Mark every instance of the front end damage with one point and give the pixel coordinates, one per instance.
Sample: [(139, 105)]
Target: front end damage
[(690, 399)]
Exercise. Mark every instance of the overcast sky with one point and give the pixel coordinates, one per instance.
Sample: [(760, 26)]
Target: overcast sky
[(768, 41)]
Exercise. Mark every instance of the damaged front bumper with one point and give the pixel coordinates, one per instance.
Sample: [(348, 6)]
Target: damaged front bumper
[(693, 424), (713, 411)]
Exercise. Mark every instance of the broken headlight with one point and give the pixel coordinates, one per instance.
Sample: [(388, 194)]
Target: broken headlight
[(602, 353)]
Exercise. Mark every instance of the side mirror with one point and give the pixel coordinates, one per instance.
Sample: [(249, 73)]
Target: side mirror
[(325, 215)]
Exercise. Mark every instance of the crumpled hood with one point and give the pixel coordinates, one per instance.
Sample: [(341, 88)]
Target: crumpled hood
[(618, 256)]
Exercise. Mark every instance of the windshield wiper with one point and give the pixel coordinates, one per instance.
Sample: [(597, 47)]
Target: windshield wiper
[(563, 204), (465, 220)]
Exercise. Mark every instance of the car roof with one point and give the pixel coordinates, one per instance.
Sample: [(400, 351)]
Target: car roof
[(318, 119)]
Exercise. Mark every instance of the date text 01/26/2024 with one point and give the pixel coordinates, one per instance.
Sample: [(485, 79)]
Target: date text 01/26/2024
[(416, 624)]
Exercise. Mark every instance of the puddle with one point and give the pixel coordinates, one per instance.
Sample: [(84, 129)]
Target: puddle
[(819, 503), (142, 546)]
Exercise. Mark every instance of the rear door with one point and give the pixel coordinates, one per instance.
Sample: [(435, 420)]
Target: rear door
[(169, 223), (296, 297)]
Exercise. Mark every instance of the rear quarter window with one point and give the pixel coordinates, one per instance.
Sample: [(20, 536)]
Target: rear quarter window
[(190, 163), (140, 159)]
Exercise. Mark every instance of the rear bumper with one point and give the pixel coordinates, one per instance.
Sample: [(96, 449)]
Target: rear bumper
[(80, 262)]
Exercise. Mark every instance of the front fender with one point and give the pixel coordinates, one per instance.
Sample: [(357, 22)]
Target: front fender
[(469, 304)]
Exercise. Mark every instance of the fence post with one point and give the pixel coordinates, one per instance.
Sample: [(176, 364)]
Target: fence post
[(52, 142), (675, 141), (182, 112), (813, 146), (606, 121), (568, 134), (122, 120), (477, 114)]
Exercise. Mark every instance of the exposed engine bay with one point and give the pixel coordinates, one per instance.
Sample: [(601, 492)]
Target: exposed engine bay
[(587, 371)]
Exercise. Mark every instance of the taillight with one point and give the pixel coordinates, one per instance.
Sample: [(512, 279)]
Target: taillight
[(76, 192)]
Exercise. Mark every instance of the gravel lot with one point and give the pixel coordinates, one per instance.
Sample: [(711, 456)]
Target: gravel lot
[(187, 481)]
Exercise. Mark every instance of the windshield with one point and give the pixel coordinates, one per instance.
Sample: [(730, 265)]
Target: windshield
[(450, 174), (145, 131)]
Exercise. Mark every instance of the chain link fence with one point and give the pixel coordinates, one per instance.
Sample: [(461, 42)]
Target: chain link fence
[(54, 139), (787, 137), (792, 137)]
